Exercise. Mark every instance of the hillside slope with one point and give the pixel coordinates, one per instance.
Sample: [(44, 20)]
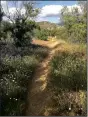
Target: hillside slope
[(48, 25)]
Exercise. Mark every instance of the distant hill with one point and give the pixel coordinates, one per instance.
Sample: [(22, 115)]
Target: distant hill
[(47, 25)]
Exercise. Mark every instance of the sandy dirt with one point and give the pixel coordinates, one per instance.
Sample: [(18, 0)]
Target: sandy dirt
[(39, 95)]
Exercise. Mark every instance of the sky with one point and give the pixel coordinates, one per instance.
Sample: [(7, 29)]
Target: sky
[(50, 10)]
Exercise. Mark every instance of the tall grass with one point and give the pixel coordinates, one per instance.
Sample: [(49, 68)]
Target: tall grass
[(68, 79), (14, 82), (69, 71), (16, 74)]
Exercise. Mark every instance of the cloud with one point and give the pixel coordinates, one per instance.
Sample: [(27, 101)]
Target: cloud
[(75, 6), (13, 10), (46, 11), (3, 2), (53, 10), (10, 10), (50, 10), (4, 5)]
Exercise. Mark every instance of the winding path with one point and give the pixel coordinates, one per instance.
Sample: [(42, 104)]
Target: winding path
[(39, 95)]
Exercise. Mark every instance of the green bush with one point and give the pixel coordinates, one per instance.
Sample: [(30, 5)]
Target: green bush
[(78, 33), (16, 75), (75, 23), (41, 34), (68, 71), (65, 103), (68, 83), (38, 51), (62, 33)]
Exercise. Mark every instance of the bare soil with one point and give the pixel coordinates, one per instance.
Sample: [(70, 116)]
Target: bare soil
[(39, 95)]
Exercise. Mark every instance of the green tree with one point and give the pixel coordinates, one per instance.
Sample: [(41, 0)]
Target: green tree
[(1, 26), (75, 22), (22, 25), (41, 34)]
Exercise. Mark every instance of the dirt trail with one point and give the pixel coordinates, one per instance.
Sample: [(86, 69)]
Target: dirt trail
[(38, 94)]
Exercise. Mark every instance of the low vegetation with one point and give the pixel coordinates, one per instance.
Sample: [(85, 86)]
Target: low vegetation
[(69, 81), (16, 75), (19, 59), (41, 34)]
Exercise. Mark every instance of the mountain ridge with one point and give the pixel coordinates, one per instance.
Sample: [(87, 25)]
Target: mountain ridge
[(47, 24)]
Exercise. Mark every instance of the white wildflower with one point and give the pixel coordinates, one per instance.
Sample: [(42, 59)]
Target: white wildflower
[(69, 108), (13, 80)]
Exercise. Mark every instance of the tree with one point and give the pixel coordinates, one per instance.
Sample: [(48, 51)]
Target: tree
[(75, 22), (1, 26), (21, 29), (83, 5)]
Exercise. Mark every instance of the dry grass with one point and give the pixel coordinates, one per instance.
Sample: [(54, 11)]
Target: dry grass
[(38, 96), (64, 100), (53, 101)]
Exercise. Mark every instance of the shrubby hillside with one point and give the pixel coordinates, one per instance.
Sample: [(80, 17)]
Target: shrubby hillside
[(43, 65)]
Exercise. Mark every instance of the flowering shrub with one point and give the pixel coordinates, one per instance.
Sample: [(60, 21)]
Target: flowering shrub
[(68, 81), (69, 71), (14, 81)]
